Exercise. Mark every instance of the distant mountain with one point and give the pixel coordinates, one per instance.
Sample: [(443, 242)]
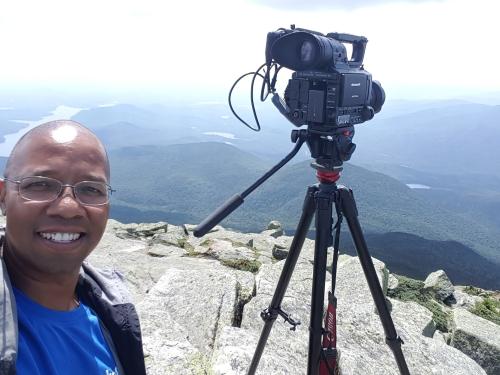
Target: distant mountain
[(8, 127), (445, 137), (190, 123), (398, 108), (468, 194), (385, 205), (416, 257), (187, 182), (99, 117), (456, 139), (11, 113), (123, 134), (180, 179), (3, 162)]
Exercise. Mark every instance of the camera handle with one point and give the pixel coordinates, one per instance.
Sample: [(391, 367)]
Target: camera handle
[(358, 47), (298, 137)]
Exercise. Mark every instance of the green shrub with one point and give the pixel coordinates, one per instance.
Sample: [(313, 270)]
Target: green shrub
[(412, 290), (407, 290), (473, 291), (441, 318), (489, 309), (242, 264), (207, 243)]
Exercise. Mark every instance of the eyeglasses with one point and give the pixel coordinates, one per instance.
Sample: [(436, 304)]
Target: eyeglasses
[(46, 189)]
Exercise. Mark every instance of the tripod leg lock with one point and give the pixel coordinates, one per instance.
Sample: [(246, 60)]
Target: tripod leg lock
[(394, 342), (271, 314)]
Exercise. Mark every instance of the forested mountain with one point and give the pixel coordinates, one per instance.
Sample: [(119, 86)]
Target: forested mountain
[(185, 183), (456, 139)]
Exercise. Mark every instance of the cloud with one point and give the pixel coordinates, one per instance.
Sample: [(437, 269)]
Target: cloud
[(329, 4)]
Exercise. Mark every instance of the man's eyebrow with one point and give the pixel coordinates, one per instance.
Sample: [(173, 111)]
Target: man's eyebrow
[(94, 178), (41, 172), (35, 172), (52, 173)]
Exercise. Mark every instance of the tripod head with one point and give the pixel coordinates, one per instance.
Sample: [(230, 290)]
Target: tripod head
[(329, 147)]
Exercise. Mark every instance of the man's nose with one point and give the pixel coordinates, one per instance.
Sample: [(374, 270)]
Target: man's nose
[(67, 191), (66, 205)]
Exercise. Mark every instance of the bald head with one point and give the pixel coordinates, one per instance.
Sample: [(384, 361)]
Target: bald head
[(70, 154), (61, 132)]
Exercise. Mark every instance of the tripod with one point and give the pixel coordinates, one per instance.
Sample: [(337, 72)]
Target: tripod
[(319, 201)]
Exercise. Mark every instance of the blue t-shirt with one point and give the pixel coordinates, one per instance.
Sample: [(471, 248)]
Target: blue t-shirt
[(60, 342)]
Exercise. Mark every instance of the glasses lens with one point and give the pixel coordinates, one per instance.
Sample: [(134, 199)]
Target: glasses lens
[(39, 188), (90, 192)]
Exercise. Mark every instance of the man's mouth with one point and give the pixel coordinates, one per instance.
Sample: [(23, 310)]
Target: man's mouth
[(60, 237)]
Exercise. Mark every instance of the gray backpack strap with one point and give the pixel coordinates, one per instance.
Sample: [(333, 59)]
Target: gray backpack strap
[(8, 320), (2, 239)]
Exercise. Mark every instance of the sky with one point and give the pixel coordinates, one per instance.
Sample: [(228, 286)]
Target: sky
[(416, 49)]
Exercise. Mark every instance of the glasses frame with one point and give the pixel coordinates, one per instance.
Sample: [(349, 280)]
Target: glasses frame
[(62, 186)]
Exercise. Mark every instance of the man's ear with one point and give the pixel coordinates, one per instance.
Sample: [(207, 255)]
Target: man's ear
[(2, 195)]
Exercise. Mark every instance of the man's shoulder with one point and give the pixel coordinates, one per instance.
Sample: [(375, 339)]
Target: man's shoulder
[(109, 282)]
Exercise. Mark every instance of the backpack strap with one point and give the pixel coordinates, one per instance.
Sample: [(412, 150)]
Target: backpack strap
[(2, 239)]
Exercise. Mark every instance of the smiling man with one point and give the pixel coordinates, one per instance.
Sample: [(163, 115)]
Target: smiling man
[(59, 315)]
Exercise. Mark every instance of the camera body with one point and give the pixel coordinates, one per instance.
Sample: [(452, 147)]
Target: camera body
[(333, 99)]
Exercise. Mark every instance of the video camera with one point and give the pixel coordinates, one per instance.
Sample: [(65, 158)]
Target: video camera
[(329, 91), (327, 88)]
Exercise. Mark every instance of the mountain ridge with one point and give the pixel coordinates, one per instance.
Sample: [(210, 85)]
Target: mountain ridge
[(185, 192)]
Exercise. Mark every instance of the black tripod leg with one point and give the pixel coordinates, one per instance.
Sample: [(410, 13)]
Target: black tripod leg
[(272, 312), (325, 199), (350, 212)]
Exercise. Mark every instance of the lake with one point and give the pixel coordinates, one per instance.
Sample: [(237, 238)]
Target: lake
[(61, 112)]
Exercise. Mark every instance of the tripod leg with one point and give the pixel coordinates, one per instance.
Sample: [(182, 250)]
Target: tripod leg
[(324, 221), (350, 212), (274, 308)]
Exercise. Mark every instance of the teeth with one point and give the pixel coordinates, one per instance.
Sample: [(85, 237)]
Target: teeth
[(60, 237)]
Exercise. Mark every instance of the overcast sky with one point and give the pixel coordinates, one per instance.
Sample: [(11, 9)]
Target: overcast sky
[(329, 4), (415, 48)]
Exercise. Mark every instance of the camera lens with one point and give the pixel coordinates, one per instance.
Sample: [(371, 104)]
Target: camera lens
[(377, 97), (301, 50)]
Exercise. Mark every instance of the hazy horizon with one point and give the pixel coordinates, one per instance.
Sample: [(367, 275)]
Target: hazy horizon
[(419, 49)]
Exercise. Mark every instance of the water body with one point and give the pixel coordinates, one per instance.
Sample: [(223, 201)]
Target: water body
[(418, 186), (61, 112), (221, 134)]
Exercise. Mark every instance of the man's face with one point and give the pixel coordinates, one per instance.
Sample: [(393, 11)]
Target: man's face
[(32, 227)]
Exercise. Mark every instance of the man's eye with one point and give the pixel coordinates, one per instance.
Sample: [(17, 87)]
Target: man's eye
[(92, 190), (37, 185)]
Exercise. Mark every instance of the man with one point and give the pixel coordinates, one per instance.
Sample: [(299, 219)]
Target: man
[(58, 314)]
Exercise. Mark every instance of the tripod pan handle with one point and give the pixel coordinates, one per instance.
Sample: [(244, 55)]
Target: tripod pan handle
[(211, 221)]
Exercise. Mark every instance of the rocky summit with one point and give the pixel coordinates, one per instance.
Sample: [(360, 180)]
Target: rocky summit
[(200, 300)]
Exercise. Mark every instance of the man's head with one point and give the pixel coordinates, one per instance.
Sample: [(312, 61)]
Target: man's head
[(54, 237)]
